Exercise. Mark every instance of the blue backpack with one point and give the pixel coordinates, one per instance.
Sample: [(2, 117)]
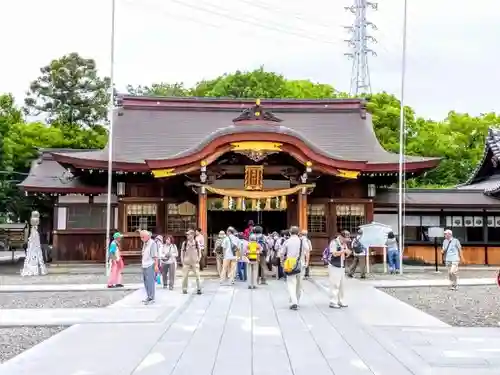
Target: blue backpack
[(326, 255)]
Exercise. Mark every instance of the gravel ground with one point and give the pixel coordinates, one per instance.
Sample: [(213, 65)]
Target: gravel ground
[(427, 274), (469, 306), (73, 299), (16, 340), (66, 279)]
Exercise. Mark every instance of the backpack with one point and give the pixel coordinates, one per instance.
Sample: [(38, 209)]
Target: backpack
[(234, 248), (196, 244), (326, 255), (263, 243), (253, 251), (219, 250), (358, 247)]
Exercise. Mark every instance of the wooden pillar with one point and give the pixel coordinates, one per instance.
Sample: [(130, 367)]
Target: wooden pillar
[(202, 213), (302, 210)]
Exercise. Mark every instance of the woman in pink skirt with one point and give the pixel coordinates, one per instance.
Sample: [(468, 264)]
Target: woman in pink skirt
[(116, 261)]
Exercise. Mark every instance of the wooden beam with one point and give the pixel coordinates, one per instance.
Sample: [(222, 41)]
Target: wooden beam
[(240, 169)]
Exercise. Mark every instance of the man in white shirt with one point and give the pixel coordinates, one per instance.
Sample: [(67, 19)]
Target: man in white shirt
[(339, 251), (296, 247), (232, 250), (149, 265)]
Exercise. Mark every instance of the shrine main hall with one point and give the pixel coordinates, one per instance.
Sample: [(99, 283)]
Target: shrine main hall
[(181, 163)]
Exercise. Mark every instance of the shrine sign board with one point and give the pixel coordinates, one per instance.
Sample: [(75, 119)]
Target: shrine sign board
[(254, 177)]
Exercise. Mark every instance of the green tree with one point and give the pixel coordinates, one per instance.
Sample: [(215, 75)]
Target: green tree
[(159, 89), (70, 91)]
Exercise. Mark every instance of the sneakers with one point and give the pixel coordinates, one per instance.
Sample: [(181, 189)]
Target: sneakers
[(294, 307), (198, 291), (148, 301), (339, 305)]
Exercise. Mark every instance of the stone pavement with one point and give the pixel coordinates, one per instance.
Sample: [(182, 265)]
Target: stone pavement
[(230, 330)]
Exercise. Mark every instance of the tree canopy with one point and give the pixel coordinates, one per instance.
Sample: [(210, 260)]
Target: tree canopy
[(69, 91), (74, 100)]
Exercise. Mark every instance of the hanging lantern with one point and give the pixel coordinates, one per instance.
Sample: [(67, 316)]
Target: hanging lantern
[(277, 203), (225, 202), (268, 204), (283, 202), (243, 204), (230, 203), (239, 203), (257, 205)]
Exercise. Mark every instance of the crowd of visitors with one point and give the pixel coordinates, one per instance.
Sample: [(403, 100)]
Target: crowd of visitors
[(249, 256)]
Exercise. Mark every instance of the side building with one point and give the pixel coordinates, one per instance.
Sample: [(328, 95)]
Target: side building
[(471, 211), (180, 163)]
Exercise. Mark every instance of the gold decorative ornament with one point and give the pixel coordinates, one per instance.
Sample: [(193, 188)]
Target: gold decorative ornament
[(256, 146), (239, 203), (348, 174), (309, 164), (257, 102), (161, 173), (225, 202), (283, 203), (264, 194), (203, 163), (268, 207)]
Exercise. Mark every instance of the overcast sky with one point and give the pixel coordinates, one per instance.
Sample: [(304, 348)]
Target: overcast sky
[(452, 58)]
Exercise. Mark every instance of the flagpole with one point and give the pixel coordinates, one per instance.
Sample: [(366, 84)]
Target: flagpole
[(401, 141), (110, 134)]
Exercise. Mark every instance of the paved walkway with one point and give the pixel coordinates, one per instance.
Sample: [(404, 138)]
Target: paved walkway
[(230, 330)]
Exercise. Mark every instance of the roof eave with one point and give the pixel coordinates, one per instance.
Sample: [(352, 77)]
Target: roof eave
[(80, 163)]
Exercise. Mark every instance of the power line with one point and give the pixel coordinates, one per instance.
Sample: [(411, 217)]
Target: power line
[(359, 49), (298, 32)]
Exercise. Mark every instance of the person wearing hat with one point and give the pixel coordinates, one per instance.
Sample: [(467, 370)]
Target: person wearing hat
[(452, 255), (149, 263), (116, 262), (219, 251), (191, 254), (339, 251)]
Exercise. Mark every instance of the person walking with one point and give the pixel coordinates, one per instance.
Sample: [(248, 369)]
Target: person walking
[(359, 251), (232, 248), (200, 238), (252, 251), (452, 255), (392, 253), (149, 264), (296, 259), (219, 251), (339, 251), (242, 260), (168, 259), (303, 235), (190, 259), (262, 241), (116, 262)]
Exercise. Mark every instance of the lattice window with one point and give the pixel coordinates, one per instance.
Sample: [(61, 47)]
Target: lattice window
[(141, 216), (350, 217), (316, 218), (87, 216), (181, 217)]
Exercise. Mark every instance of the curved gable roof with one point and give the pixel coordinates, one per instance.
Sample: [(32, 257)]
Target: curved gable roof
[(177, 130)]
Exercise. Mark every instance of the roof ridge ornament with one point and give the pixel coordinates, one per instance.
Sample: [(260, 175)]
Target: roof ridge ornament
[(257, 113)]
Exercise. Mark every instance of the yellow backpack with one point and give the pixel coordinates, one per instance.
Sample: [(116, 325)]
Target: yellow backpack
[(253, 251)]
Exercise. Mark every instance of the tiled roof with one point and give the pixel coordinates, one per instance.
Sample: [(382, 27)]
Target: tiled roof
[(437, 197), (148, 134), (490, 183), (48, 175)]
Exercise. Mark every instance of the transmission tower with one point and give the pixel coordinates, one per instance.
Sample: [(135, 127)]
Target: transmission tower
[(359, 42)]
